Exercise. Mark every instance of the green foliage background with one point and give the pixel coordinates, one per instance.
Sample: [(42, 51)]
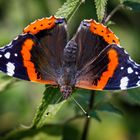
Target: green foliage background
[(115, 115)]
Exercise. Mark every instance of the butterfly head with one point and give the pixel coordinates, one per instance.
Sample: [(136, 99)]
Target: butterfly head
[(66, 90)]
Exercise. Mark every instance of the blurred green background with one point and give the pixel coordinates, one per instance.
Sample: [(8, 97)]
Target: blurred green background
[(19, 102)]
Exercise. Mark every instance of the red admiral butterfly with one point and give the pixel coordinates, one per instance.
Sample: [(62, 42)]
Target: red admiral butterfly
[(92, 59)]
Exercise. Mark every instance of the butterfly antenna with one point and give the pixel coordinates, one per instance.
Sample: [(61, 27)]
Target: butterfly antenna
[(86, 114)]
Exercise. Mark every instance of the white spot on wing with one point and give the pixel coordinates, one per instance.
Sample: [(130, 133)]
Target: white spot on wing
[(122, 68), (10, 68), (138, 83), (124, 83), (35, 21), (26, 27), (41, 19), (16, 38), (119, 46), (7, 55), (16, 54), (125, 52), (137, 64), (0, 55), (136, 73), (130, 59), (130, 70)]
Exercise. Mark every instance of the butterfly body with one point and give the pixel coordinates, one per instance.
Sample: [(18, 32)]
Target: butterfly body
[(91, 59)]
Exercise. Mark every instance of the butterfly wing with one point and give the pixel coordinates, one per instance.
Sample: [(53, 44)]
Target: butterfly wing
[(11, 60), (101, 63), (126, 74), (31, 56)]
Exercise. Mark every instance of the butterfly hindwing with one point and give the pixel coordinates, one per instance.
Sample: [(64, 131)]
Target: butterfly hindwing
[(126, 74)]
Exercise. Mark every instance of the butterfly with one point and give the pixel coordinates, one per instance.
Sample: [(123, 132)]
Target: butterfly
[(92, 59)]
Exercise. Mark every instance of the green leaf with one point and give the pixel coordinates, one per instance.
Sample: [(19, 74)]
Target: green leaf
[(110, 23), (70, 132), (100, 8), (94, 115), (47, 109), (69, 8), (129, 0), (50, 115), (106, 106), (132, 96), (132, 5), (47, 132), (6, 82)]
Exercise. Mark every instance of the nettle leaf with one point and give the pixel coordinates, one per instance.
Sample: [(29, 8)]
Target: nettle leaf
[(50, 115), (6, 82), (82, 96), (51, 96), (132, 96), (129, 0), (106, 106), (4, 76), (132, 5), (94, 115), (110, 23), (70, 132), (100, 8), (68, 8), (47, 132)]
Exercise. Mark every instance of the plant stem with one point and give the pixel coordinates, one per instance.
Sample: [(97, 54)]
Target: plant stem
[(87, 121), (112, 13)]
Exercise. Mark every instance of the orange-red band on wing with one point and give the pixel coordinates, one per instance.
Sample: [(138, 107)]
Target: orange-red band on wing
[(26, 48), (40, 24), (106, 33), (113, 63), (26, 55)]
